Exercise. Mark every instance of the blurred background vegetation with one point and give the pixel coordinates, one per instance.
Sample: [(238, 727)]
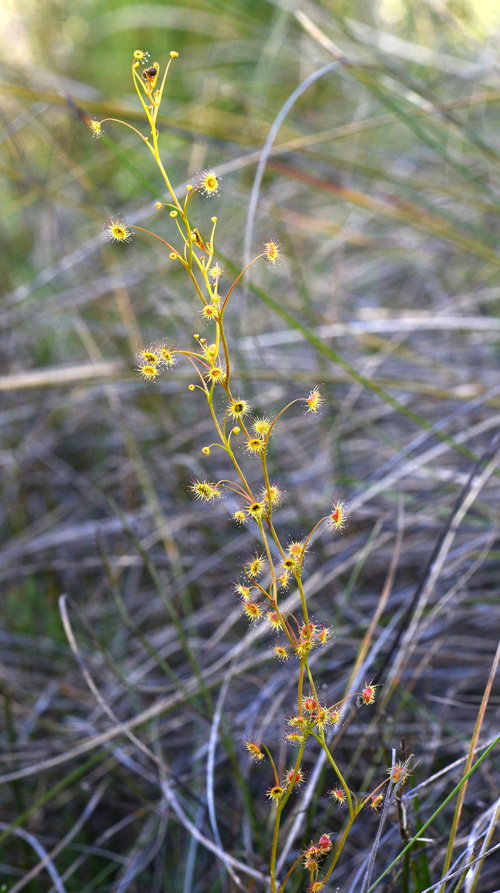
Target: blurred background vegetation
[(383, 188)]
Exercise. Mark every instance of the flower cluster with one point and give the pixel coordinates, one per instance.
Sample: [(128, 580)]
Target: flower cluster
[(313, 719), (151, 361), (293, 778), (316, 852)]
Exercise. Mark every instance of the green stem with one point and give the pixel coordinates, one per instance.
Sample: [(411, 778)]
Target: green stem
[(321, 741), (303, 601), (277, 823)]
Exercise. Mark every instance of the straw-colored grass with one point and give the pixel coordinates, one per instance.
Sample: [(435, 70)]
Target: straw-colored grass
[(129, 678)]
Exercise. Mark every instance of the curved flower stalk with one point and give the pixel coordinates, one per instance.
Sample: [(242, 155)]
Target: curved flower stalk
[(245, 437)]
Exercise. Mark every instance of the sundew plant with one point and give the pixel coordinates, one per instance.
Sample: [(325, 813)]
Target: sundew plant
[(244, 436), (276, 567)]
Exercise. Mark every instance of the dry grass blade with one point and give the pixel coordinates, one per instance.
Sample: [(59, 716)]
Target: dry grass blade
[(125, 712)]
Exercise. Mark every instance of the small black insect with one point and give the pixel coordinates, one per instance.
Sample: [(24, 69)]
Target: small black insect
[(149, 73)]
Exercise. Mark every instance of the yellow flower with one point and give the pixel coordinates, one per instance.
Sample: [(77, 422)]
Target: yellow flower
[(294, 777), (215, 374), (367, 695), (296, 550), (314, 400), (207, 182), (210, 351), (297, 722), (275, 793), (254, 750), (255, 567), (272, 251), (244, 592), (398, 772), (261, 426), (323, 634), (252, 610), (273, 495), (239, 517), (290, 564), (148, 371), (255, 510), (95, 128), (281, 652), (338, 516), (303, 649), (322, 718), (215, 273), (205, 491), (167, 357), (339, 795), (284, 580), (119, 231), (141, 55), (209, 311), (148, 355), (375, 802), (335, 716), (255, 445), (239, 408), (274, 619)]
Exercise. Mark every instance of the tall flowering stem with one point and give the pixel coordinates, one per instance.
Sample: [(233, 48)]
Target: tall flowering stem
[(244, 436)]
